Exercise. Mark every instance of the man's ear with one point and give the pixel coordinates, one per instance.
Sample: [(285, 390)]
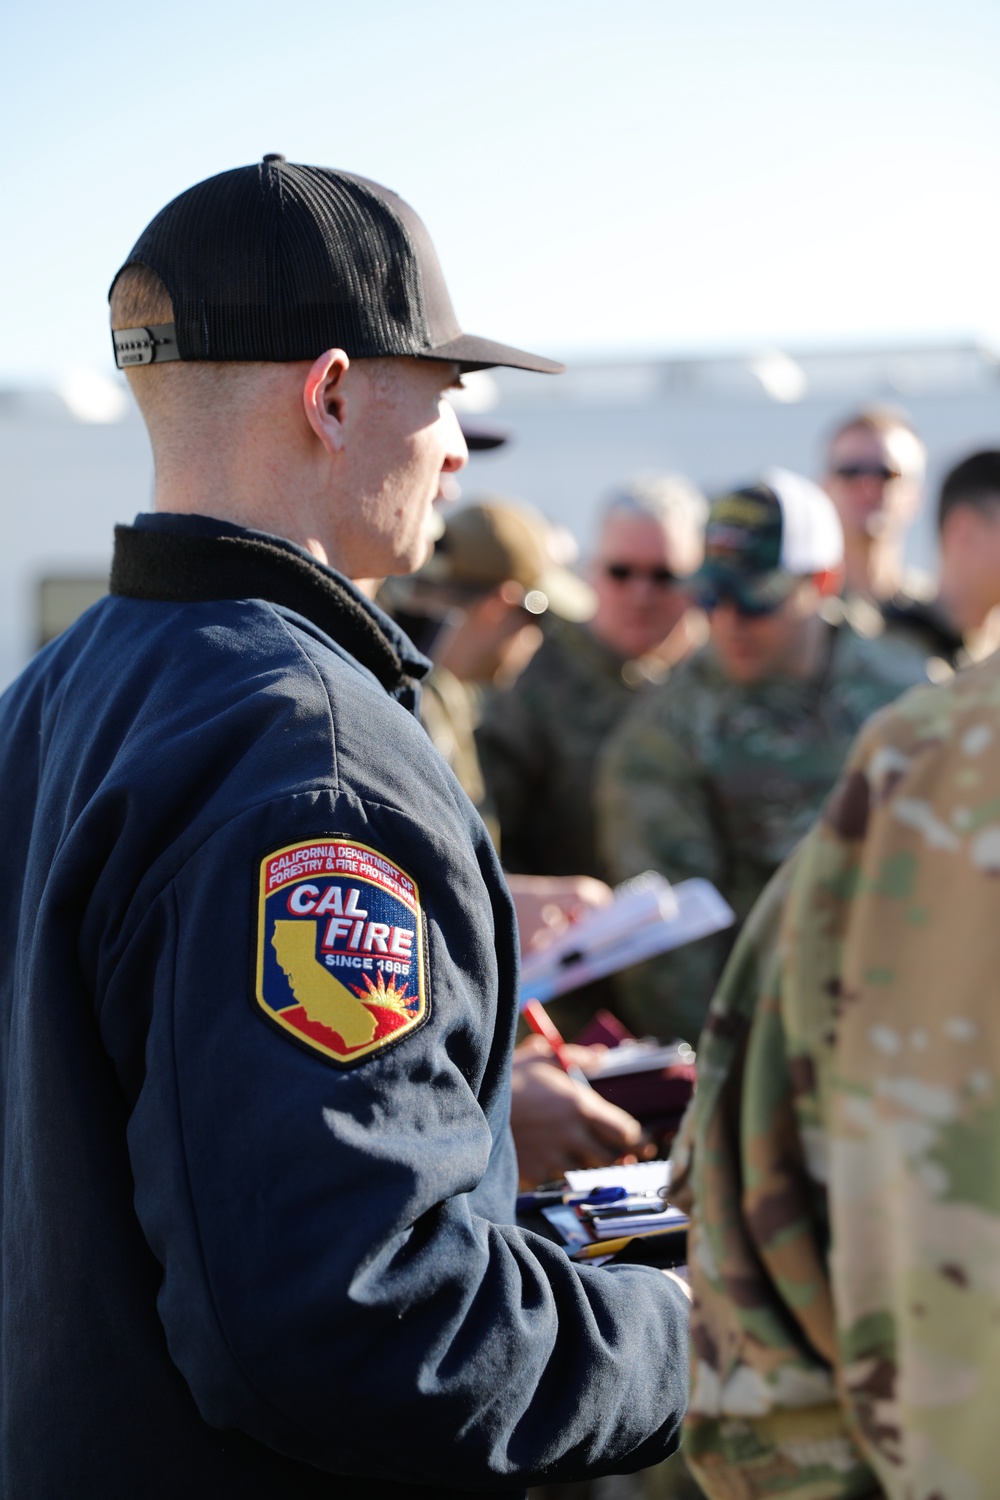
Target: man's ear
[(324, 399), (830, 581)]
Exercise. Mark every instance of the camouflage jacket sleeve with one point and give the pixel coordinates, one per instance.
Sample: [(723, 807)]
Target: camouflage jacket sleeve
[(654, 812), (764, 1418), (845, 1146)]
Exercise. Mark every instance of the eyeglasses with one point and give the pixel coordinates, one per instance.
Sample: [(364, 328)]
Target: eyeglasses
[(622, 572), (867, 471)]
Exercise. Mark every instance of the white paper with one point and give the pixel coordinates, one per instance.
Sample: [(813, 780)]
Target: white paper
[(635, 1177), (643, 902), (700, 910), (640, 1057)]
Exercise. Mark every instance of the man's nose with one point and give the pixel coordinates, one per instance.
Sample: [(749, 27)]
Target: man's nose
[(726, 614), (456, 454), (643, 587), (872, 486)]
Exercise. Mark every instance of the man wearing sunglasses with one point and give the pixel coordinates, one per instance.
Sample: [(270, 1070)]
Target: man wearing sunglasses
[(720, 771), (874, 474), (539, 741)]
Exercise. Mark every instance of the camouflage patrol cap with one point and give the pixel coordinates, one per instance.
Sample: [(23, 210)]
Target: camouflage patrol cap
[(760, 540)]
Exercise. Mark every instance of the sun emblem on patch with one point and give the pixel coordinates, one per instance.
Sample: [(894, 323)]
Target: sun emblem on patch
[(340, 948)]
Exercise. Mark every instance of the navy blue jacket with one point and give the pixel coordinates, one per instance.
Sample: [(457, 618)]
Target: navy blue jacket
[(245, 1250)]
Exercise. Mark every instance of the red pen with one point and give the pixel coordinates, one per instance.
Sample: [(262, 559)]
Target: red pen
[(541, 1025)]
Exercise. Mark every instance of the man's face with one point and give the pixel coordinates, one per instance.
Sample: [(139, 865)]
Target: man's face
[(635, 576), (403, 438), (970, 558), (751, 648), (874, 479)]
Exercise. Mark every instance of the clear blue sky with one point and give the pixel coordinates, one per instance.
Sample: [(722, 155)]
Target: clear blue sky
[(644, 175)]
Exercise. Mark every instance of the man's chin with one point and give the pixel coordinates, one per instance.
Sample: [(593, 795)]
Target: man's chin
[(740, 669), (875, 525), (409, 559)]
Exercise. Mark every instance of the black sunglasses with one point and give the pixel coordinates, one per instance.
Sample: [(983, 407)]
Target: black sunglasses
[(622, 572), (867, 471)]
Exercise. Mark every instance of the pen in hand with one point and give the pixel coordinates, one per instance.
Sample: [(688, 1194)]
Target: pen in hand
[(535, 1016)]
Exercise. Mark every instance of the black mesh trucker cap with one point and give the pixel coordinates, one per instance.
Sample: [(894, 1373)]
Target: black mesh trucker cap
[(279, 261)]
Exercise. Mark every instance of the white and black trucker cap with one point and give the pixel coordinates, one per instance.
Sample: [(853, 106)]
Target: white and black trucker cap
[(759, 540), (279, 261)]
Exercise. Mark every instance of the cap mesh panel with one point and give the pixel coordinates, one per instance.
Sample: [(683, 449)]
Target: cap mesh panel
[(279, 262)]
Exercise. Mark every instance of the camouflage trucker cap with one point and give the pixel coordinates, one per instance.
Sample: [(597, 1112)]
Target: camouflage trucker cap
[(761, 539)]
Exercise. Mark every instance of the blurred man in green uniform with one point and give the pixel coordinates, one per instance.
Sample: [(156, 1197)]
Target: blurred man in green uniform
[(539, 741), (844, 1145), (474, 606), (721, 770)]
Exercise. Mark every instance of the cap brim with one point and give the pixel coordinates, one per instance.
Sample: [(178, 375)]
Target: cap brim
[(756, 589), (474, 353), (480, 436), (568, 596)]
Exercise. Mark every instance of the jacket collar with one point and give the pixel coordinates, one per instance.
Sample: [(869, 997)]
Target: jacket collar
[(194, 559)]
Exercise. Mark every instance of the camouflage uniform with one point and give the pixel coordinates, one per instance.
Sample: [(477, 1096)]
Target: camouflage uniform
[(843, 1148), (539, 742), (714, 778)]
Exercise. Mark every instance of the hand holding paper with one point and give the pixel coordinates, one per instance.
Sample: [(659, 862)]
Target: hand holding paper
[(647, 916)]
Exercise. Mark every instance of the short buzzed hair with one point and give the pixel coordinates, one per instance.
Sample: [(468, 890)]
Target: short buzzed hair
[(139, 298), (186, 389), (669, 499), (879, 419), (974, 482)]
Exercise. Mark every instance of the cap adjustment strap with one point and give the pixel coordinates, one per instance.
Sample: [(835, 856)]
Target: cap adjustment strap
[(145, 346)]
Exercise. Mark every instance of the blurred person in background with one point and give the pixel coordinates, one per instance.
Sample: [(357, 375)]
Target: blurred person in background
[(474, 607), (719, 771), (874, 470), (842, 1167), (962, 622), (539, 741)]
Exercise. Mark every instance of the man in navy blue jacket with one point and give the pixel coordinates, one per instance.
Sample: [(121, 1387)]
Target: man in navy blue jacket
[(258, 959)]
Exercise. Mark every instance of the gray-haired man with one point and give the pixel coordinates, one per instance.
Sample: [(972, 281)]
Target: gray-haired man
[(539, 741)]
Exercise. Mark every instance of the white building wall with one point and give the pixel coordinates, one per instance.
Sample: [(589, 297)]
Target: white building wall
[(64, 482)]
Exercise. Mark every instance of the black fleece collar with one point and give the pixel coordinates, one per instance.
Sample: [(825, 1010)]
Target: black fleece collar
[(181, 566)]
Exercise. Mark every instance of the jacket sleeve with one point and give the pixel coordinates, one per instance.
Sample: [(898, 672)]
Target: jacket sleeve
[(328, 1285), (655, 812)]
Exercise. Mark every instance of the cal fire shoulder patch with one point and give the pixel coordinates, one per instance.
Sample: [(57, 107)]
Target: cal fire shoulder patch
[(340, 948)]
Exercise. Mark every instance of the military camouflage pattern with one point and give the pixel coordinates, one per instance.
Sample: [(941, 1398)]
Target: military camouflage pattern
[(538, 745), (713, 778), (843, 1148)]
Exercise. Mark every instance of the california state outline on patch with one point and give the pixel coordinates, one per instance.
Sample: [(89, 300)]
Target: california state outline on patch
[(340, 948)]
